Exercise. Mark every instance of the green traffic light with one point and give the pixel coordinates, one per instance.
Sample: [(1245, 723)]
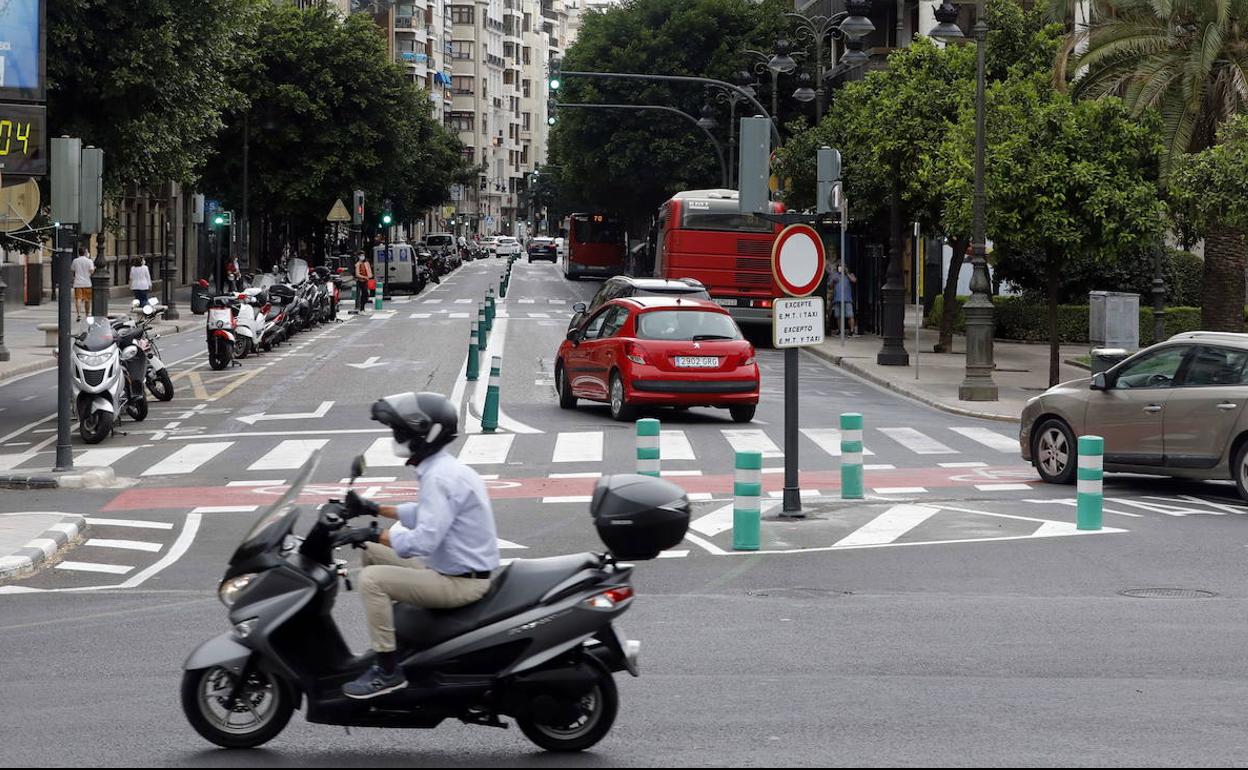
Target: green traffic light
[(219, 220), (386, 219), (554, 84), (551, 120)]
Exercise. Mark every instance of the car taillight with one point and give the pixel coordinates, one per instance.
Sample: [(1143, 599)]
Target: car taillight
[(763, 303), (747, 358), (636, 354), (609, 600)]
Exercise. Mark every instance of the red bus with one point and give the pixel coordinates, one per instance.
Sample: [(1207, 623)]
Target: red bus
[(702, 234), (594, 244)]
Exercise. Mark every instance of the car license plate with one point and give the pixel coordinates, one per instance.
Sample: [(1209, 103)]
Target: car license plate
[(697, 362), (725, 302)]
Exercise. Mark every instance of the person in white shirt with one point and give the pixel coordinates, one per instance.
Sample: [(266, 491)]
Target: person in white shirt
[(141, 281), (82, 268), (444, 548)]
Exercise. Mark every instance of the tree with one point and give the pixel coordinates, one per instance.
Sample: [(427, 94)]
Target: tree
[(1187, 59), (630, 162), (1071, 186), (1209, 190), (146, 80)]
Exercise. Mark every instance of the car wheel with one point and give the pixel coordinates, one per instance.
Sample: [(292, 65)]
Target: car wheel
[(1239, 470), (742, 413), (566, 399), (1054, 452), (621, 410)]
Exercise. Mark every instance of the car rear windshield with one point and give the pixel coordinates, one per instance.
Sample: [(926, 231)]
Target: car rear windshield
[(684, 291), (686, 325), (440, 240)]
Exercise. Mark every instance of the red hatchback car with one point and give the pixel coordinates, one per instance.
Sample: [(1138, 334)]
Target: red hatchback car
[(658, 351)]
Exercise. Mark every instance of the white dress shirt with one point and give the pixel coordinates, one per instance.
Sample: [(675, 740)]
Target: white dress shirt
[(451, 527)]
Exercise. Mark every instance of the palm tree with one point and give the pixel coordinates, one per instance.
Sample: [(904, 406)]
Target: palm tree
[(1187, 59)]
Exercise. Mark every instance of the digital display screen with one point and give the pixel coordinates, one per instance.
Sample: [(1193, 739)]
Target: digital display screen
[(23, 139), (22, 50)]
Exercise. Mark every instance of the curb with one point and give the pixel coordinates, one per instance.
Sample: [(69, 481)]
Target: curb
[(84, 478), (41, 549), (870, 376)]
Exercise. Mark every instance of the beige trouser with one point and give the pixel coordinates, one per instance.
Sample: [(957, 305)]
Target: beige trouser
[(388, 578)]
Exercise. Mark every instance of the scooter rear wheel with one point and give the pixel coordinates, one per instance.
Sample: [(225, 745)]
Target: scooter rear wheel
[(596, 712), (261, 712), (137, 409), (220, 356)]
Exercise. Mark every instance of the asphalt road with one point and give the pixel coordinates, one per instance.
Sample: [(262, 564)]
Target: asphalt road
[(953, 618)]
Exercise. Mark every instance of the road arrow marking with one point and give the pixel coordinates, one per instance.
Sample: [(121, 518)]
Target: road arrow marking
[(369, 364), (320, 412)]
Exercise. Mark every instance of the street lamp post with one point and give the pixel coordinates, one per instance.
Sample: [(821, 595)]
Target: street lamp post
[(774, 64), (167, 269), (978, 384), (745, 81)]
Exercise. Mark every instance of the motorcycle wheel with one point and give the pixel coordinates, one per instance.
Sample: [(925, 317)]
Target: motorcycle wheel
[(95, 427), (219, 356), (595, 714), (267, 709), (137, 409), (161, 385), (242, 348)]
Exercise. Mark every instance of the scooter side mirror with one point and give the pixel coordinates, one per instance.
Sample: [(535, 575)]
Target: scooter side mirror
[(357, 467)]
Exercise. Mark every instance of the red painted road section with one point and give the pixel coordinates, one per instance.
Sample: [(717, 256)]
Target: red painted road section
[(185, 498)]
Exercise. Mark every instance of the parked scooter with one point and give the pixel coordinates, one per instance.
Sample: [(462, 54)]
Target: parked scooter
[(159, 383), (222, 325), (109, 375), (540, 647)]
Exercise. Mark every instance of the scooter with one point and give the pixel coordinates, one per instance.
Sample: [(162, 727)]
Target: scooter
[(540, 647), (159, 383), (222, 324), (109, 375)]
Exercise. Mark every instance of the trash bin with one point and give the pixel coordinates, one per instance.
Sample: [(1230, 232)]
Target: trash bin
[(34, 284), (1104, 359), (201, 295)]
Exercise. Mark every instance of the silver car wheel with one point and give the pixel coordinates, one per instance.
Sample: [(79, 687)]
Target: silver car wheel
[(1054, 452), (617, 395)]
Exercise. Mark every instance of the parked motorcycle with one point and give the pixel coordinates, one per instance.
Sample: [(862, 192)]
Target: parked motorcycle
[(109, 375), (222, 324), (159, 383), (540, 647)]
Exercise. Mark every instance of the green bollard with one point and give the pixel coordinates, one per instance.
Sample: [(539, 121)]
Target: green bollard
[(489, 420), (851, 456), (502, 288), (648, 433), (747, 505), (489, 309), (484, 330), (474, 354), (1091, 484), (380, 295)]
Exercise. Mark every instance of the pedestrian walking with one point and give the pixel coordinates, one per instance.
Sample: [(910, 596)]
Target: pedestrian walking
[(82, 268), (363, 280), (843, 299), (141, 281)]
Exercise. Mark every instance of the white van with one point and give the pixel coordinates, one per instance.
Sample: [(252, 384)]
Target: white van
[(436, 242), (399, 270)]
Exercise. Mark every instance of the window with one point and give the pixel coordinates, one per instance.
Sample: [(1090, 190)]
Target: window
[(528, 23), (524, 154), (462, 84), (461, 49), (721, 215), (1153, 370), (462, 14), (528, 88), (1216, 366), (461, 121), (616, 317), (470, 155), (686, 325), (594, 327), (527, 119), (528, 55)]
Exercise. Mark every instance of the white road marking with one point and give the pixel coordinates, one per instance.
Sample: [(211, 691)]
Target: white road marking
[(681, 473), (380, 454), (674, 554), (1003, 487), (94, 458), (567, 499), (225, 509), (779, 493), (990, 439), (829, 440), (890, 525), (458, 315), (963, 465), (125, 545), (586, 475), (578, 447), (84, 566), (751, 441), (262, 483), (464, 301), (128, 523), (899, 490), (288, 455), (187, 459), (919, 443), (420, 315), (674, 445), (882, 467), (539, 315), (486, 448)]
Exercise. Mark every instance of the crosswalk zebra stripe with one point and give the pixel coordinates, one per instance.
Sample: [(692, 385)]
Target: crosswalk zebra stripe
[(420, 315), (674, 445), (890, 525), (84, 566), (380, 454), (990, 439), (919, 443), (188, 459), (581, 447), (468, 301), (288, 455), (95, 458), (751, 441), (486, 448), (125, 545), (539, 315), (829, 440), (433, 302)]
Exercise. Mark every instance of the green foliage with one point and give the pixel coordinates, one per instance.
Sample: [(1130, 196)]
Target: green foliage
[(631, 162), (146, 80), (1019, 319), (1209, 189)]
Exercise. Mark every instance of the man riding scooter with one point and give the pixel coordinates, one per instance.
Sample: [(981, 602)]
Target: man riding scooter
[(442, 550)]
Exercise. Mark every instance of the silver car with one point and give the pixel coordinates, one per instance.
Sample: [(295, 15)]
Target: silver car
[(1174, 409)]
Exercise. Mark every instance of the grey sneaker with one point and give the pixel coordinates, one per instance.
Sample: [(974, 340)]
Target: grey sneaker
[(374, 682)]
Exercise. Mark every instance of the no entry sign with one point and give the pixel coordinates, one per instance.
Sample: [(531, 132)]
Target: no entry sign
[(797, 260)]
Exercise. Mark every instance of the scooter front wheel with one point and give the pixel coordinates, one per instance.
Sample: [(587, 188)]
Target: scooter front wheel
[(260, 711), (220, 355), (137, 409), (95, 426), (161, 385), (556, 725)]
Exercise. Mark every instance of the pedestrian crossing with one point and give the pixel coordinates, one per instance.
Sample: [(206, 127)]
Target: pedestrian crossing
[(689, 449)]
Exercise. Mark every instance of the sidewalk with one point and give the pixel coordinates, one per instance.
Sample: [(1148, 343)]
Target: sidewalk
[(27, 540), (25, 342), (1022, 371)]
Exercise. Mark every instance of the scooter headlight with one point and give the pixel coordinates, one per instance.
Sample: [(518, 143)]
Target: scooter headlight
[(96, 359), (129, 353), (231, 589)]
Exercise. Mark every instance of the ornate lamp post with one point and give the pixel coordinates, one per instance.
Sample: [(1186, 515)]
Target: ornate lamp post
[(745, 81), (774, 64), (850, 25), (978, 384)]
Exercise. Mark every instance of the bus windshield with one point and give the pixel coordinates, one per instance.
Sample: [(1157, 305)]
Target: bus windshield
[(723, 215), (597, 230)]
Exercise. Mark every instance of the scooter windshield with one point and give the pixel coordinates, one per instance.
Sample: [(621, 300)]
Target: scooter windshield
[(277, 522), (297, 271), (99, 336)]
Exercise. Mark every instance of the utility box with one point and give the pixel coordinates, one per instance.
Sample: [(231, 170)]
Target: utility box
[(1114, 320)]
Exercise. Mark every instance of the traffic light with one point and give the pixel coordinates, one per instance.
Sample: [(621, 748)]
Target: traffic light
[(386, 219), (357, 207), (555, 79), (223, 218), (552, 108)]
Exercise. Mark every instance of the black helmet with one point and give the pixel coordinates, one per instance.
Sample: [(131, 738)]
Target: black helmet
[(425, 422)]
